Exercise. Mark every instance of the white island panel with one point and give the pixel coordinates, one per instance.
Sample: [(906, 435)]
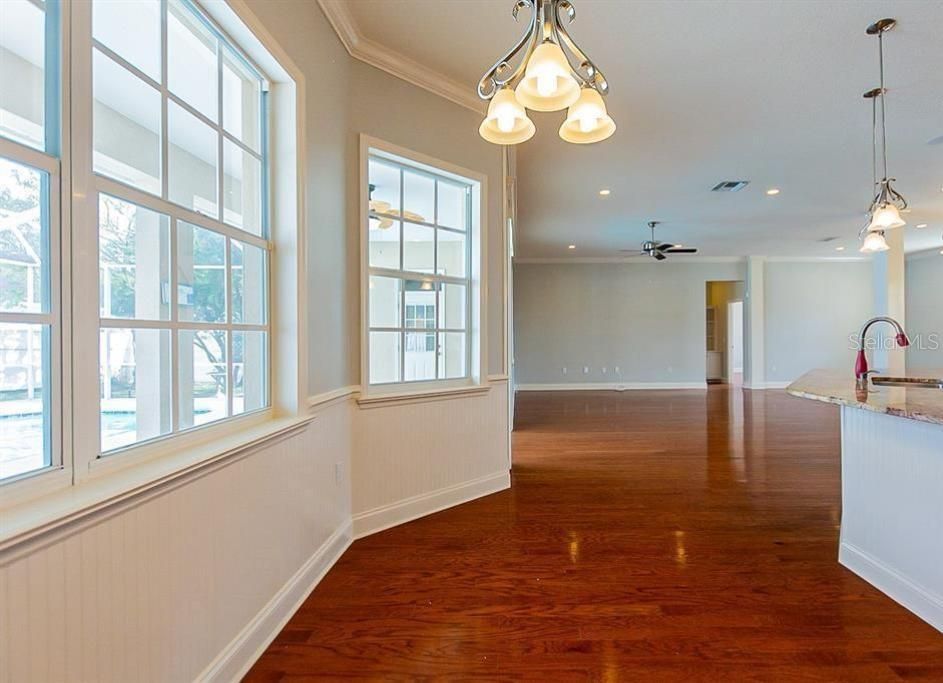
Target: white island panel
[(892, 507)]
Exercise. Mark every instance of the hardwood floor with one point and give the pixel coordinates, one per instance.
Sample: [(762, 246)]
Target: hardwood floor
[(648, 536)]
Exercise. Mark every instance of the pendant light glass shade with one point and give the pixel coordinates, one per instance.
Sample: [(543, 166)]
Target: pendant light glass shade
[(886, 217), (874, 242), (587, 120), (548, 84), (506, 122)]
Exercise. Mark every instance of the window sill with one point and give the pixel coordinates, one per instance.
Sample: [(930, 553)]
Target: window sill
[(380, 398), (70, 505)]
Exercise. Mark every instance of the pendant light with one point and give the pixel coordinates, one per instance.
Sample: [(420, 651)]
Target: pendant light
[(545, 79), (888, 203)]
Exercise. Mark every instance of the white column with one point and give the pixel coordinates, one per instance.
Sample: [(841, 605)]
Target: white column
[(754, 323), (890, 299)]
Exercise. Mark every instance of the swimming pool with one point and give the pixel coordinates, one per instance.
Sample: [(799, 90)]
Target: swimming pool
[(22, 447)]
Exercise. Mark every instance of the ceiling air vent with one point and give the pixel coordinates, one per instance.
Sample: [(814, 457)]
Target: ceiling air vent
[(730, 186)]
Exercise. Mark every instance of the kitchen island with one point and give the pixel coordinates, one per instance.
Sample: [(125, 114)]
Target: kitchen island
[(892, 486)]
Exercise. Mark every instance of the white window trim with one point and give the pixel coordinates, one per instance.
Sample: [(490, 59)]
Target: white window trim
[(477, 322), (89, 462), (58, 165), (54, 496)]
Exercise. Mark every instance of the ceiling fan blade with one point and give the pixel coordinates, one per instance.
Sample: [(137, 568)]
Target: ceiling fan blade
[(632, 252), (663, 246), (681, 251), (659, 256)]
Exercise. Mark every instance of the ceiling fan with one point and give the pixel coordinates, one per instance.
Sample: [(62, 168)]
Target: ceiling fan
[(657, 250)]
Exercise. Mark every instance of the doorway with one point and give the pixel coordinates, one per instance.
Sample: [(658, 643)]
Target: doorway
[(724, 332)]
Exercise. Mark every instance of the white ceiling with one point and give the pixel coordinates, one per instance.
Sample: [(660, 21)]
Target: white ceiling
[(763, 90)]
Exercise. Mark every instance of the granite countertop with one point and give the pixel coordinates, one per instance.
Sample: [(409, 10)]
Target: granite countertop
[(830, 386)]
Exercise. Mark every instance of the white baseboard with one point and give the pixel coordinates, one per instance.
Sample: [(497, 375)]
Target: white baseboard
[(612, 386), (386, 516), (238, 657), (896, 586), (760, 386)]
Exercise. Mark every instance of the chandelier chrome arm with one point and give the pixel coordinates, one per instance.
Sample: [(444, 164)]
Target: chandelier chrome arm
[(587, 71), (545, 24), (497, 77)]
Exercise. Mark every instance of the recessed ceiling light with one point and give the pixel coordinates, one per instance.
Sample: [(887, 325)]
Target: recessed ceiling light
[(773, 191), (839, 248), (604, 193), (921, 225), (572, 246)]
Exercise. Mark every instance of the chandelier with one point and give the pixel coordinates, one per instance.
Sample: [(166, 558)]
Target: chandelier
[(551, 74), (884, 212)]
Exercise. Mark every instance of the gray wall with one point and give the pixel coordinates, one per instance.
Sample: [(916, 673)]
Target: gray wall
[(346, 97), (925, 312), (646, 318), (333, 285), (811, 311), (649, 319)]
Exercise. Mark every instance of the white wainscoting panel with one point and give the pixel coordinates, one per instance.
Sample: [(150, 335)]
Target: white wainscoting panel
[(892, 508), (415, 458), (185, 583)]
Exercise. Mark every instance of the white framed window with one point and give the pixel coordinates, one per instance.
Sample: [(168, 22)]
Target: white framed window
[(31, 324), (422, 267), (137, 230), (177, 204)]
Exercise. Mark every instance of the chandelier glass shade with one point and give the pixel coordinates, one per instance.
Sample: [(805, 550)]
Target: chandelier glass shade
[(545, 71), (874, 242), (507, 122), (547, 84), (587, 120), (886, 207)]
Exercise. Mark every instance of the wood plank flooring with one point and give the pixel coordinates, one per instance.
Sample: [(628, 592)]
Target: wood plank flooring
[(647, 536)]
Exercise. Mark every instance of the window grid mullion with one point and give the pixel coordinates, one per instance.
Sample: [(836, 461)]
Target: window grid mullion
[(174, 334), (116, 188), (230, 373), (435, 268), (402, 265), (412, 275), (164, 118), (144, 324), (165, 91), (220, 171)]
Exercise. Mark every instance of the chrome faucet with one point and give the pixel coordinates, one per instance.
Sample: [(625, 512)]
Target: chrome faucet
[(861, 363)]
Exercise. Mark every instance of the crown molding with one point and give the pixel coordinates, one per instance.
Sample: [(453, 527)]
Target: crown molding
[(373, 53)]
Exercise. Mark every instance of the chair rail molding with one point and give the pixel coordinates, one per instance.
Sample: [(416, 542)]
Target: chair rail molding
[(394, 63)]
